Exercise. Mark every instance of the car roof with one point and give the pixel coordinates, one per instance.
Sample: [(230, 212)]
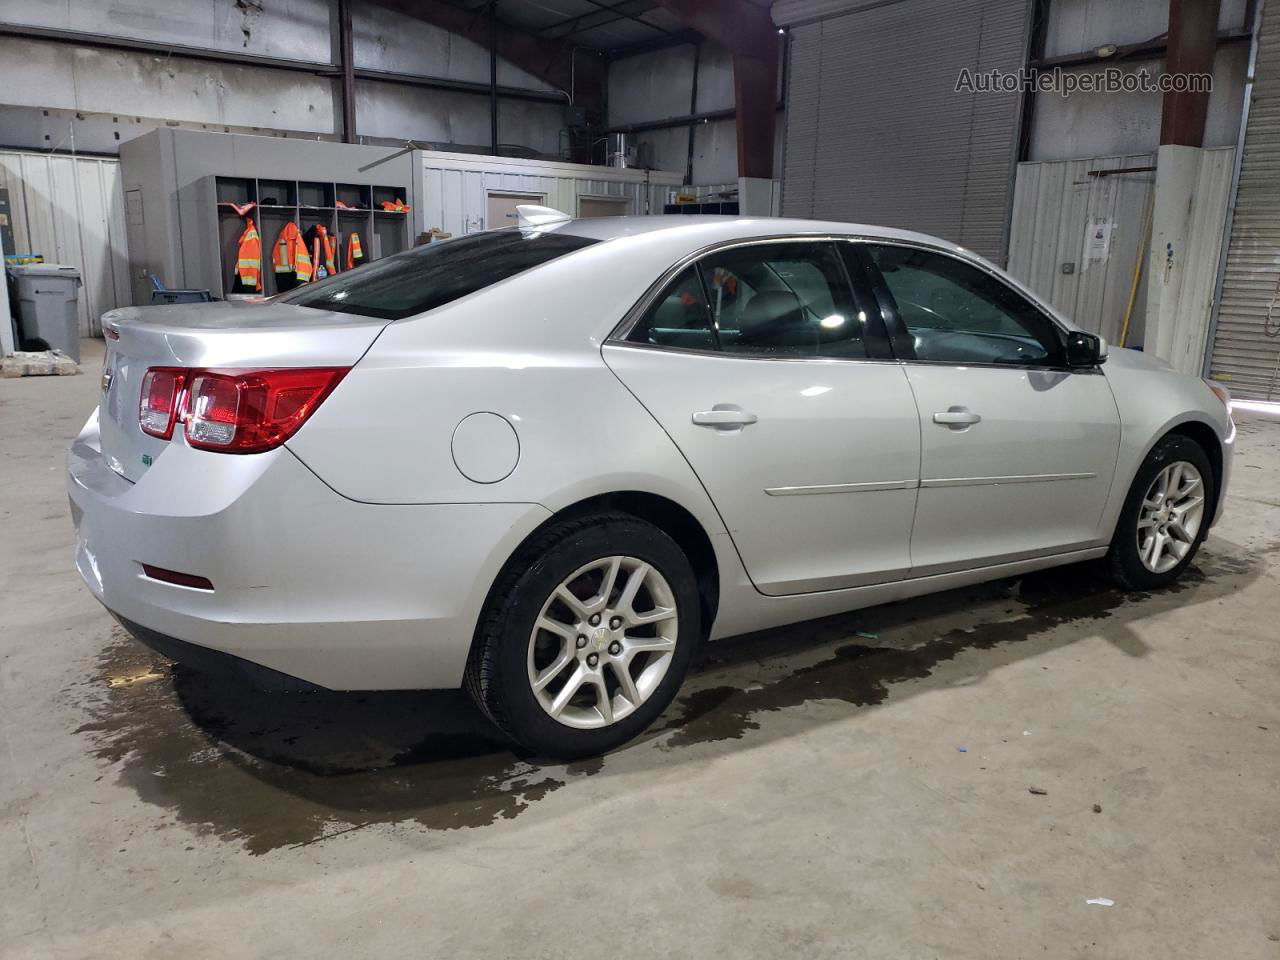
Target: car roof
[(702, 230)]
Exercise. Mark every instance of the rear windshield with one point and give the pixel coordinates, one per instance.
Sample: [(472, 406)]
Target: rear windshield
[(434, 274)]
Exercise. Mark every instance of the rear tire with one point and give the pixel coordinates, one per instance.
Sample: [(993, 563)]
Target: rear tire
[(1165, 517), (586, 636)]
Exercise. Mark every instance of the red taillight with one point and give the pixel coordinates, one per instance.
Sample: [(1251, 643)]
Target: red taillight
[(230, 411), (161, 393), (252, 412)]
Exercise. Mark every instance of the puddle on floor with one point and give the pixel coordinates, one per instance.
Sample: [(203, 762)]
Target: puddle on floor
[(279, 770)]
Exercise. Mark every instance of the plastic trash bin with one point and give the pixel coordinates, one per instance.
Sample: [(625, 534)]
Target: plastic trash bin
[(47, 295)]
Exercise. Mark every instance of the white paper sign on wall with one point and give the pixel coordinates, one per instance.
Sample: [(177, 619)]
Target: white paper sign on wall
[(1097, 241)]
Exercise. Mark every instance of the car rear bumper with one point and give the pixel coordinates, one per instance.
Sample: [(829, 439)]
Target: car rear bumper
[(306, 583)]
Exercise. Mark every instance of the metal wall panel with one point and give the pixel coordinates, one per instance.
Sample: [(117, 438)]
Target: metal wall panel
[(455, 187), (1246, 341), (877, 133), (71, 210), (113, 94), (1053, 204)]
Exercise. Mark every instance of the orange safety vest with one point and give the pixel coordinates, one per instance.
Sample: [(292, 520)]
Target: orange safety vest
[(355, 253), (323, 254), (398, 206), (291, 255), (249, 257)]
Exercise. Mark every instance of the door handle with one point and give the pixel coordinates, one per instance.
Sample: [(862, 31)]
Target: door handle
[(724, 419), (957, 418)]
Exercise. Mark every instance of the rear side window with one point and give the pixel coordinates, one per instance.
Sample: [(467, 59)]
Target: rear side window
[(783, 300), (434, 274), (765, 300), (679, 317)]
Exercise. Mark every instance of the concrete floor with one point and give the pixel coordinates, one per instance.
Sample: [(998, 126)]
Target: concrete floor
[(858, 786)]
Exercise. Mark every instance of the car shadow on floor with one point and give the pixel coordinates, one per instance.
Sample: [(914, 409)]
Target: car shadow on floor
[(274, 770)]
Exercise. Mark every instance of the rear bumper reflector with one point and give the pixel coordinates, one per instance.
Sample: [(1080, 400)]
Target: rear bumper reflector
[(178, 579)]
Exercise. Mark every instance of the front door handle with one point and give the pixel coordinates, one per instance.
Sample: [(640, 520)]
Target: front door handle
[(724, 419), (957, 418)]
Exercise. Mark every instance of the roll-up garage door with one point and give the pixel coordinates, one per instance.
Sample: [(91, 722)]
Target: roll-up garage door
[(876, 130), (1246, 341)]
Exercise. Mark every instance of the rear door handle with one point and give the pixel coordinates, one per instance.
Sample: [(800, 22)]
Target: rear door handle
[(725, 419), (957, 417)]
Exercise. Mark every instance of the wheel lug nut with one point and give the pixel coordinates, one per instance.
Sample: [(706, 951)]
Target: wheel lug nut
[(615, 623), (594, 620), (582, 641), (593, 660), (615, 648)]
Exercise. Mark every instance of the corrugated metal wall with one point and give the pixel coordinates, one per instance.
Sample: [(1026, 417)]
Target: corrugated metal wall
[(1246, 344), (1054, 204), (876, 130), (455, 196), (71, 210), (1057, 205)]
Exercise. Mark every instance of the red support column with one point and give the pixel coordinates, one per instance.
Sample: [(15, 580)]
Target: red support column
[(1193, 41)]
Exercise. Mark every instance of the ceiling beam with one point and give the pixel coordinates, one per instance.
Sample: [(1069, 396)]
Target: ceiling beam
[(737, 25), (548, 59), (653, 44), (604, 15)]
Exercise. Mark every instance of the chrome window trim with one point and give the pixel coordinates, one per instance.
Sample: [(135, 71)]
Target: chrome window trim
[(1033, 301), (622, 330), (719, 354)]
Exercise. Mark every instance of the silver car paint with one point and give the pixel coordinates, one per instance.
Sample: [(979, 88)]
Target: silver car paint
[(360, 557)]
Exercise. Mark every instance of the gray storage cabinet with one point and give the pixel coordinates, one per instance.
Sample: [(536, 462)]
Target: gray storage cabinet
[(47, 296), (178, 184)]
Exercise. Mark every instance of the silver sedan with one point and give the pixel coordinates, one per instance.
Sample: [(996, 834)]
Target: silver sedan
[(546, 462)]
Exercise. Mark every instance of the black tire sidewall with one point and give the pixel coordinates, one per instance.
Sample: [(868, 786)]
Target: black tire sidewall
[(525, 718), (1124, 546)]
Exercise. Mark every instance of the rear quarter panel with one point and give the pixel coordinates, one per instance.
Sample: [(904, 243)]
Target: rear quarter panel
[(527, 349)]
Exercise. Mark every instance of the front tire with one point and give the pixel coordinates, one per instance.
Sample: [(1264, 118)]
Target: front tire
[(1165, 517), (586, 636)]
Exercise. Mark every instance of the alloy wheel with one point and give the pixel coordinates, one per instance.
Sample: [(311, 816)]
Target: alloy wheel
[(1171, 514), (602, 642)]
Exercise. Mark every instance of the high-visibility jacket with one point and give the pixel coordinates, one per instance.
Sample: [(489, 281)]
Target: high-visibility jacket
[(398, 206), (249, 257), (324, 253), (291, 255), (355, 253)]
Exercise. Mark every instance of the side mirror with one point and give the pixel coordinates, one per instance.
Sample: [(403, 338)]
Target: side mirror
[(1085, 349)]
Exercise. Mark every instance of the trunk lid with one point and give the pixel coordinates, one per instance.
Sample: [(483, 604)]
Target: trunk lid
[(230, 335)]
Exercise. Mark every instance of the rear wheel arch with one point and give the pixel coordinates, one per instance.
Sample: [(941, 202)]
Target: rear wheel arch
[(668, 516)]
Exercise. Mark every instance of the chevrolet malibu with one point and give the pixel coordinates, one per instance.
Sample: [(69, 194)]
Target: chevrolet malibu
[(545, 462)]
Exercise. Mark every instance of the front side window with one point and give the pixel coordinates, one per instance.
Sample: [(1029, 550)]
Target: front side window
[(957, 313), (434, 274), (783, 300)]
